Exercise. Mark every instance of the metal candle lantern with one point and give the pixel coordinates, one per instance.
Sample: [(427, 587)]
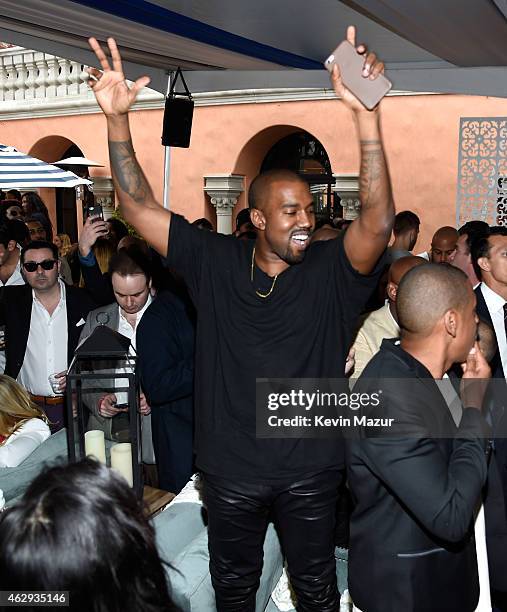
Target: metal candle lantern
[(100, 363)]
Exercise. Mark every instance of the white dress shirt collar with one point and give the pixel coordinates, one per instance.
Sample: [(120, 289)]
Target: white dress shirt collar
[(46, 348), (494, 302), (125, 328), (61, 302)]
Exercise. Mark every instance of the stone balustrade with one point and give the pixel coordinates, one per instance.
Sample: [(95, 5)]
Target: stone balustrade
[(31, 75), (35, 84)]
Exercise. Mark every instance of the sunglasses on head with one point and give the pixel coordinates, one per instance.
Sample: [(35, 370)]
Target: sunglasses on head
[(47, 264)]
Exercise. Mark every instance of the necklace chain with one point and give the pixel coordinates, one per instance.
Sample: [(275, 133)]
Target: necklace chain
[(262, 295)]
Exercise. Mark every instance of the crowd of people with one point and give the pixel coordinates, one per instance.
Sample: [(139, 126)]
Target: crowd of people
[(207, 315)]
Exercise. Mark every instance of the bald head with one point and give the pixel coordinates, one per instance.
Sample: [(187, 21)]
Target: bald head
[(325, 233), (401, 266), (443, 245), (261, 186), (427, 292)]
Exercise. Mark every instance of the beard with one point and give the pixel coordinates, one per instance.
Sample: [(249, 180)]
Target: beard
[(291, 257)]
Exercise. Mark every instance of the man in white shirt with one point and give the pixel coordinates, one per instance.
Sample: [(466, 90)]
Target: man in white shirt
[(130, 275), (41, 322), (489, 256), (382, 323), (469, 233)]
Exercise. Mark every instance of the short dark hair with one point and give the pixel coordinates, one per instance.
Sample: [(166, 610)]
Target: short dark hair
[(426, 292), (34, 220), (130, 260), (39, 244), (473, 230), (6, 235), (119, 228), (15, 193), (203, 224), (405, 221), (20, 232), (480, 246), (80, 528), (261, 183), (243, 217), (471, 227)]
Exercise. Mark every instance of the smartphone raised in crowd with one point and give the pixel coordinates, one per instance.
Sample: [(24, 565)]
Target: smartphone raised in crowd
[(351, 63), (95, 211)]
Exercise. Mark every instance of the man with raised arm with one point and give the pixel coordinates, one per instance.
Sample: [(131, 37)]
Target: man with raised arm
[(274, 308)]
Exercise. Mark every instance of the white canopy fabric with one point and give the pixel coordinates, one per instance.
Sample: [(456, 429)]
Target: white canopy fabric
[(78, 161), (449, 46), (20, 171)]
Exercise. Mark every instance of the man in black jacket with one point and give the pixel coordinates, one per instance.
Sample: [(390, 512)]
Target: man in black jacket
[(489, 258), (43, 320), (165, 349), (280, 307), (417, 483)]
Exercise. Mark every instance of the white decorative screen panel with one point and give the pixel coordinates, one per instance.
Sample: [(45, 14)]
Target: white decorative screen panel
[(482, 170)]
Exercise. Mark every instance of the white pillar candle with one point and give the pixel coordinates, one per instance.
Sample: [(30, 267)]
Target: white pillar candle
[(121, 460), (95, 445)]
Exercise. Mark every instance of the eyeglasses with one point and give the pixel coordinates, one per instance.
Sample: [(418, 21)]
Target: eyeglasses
[(47, 264)]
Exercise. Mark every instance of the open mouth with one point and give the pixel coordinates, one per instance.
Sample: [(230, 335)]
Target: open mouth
[(301, 240)]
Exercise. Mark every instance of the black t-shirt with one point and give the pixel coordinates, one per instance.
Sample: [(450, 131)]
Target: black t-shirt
[(302, 330)]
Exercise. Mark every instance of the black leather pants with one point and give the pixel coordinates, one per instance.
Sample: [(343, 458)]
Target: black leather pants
[(304, 514)]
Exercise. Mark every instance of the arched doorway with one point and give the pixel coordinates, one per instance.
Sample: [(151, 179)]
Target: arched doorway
[(61, 202), (66, 201), (302, 153)]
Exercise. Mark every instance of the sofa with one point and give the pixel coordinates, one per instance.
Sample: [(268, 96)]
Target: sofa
[(181, 535), (182, 540)]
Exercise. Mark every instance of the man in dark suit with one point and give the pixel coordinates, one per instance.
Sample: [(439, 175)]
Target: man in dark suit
[(417, 482), (489, 258), (165, 348), (130, 273), (42, 321)]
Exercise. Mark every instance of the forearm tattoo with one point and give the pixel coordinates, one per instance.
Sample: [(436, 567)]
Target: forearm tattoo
[(127, 171), (372, 171)]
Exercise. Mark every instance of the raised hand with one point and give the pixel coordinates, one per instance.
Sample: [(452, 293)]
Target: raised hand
[(476, 375), (94, 228), (372, 68), (111, 91)]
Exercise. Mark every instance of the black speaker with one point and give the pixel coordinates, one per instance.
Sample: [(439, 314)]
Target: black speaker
[(178, 114)]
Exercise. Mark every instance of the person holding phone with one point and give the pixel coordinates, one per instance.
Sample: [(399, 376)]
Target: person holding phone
[(265, 292), (42, 324), (130, 273)]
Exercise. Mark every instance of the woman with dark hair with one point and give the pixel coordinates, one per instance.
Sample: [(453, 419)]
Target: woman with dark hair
[(34, 207), (117, 230), (80, 528)]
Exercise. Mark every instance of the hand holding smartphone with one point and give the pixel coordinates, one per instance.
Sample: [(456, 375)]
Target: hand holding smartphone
[(95, 211), (351, 63), (122, 407)]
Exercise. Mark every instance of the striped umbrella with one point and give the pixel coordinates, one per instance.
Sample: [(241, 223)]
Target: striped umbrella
[(20, 171)]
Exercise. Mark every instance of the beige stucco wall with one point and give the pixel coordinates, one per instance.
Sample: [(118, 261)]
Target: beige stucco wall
[(421, 136)]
